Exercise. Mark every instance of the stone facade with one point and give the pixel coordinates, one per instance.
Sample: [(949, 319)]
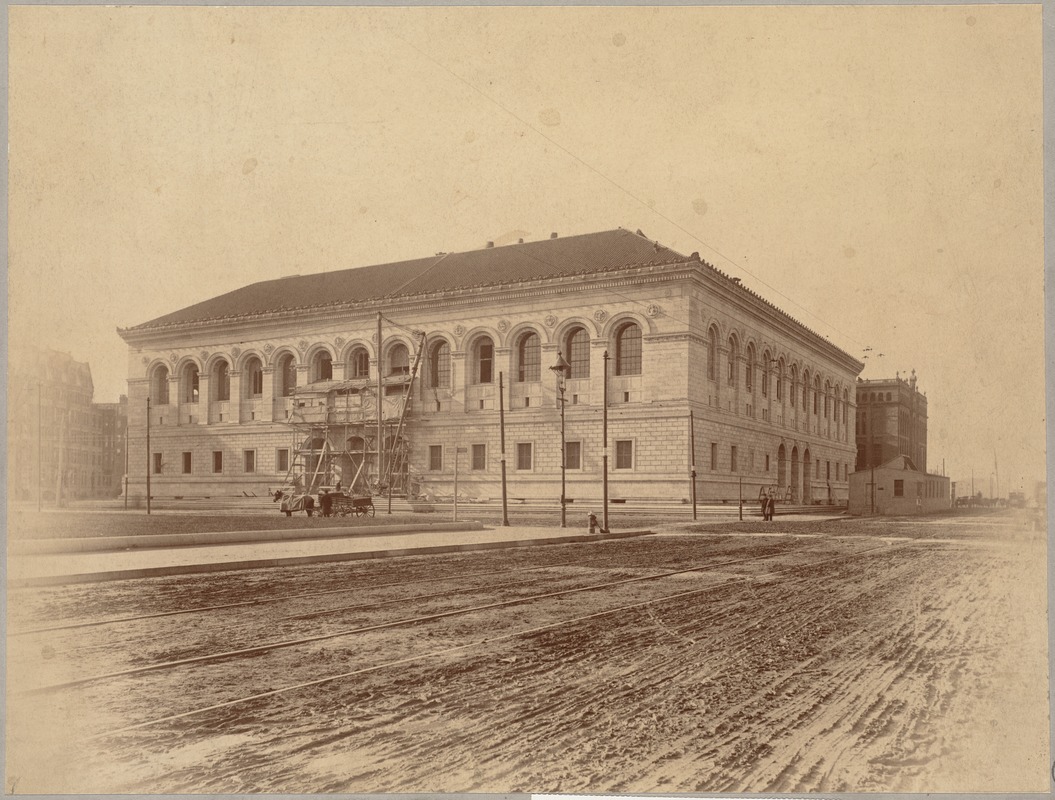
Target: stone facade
[(681, 338), (891, 422)]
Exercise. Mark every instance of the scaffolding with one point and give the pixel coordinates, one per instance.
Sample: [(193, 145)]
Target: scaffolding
[(340, 441)]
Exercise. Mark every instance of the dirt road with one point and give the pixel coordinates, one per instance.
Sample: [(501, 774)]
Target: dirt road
[(843, 656)]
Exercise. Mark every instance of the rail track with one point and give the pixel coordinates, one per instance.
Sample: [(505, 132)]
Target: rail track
[(687, 664), (257, 650)]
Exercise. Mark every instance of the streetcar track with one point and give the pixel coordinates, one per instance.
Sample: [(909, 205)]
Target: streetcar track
[(246, 651), (265, 601), (445, 651)]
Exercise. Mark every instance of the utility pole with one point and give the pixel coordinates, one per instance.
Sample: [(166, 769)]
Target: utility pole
[(149, 465), (604, 450), (456, 449), (692, 452), (380, 407), (502, 439)]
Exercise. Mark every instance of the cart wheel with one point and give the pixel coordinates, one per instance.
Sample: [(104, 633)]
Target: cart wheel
[(360, 511), (369, 510)]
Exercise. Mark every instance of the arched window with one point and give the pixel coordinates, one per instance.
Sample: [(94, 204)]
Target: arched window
[(733, 355), (846, 403), (483, 360), (765, 374), (321, 367), (780, 380), (712, 354), (254, 378), (816, 392), (749, 368), (827, 399), (628, 350), (189, 382), (529, 358), (159, 386), (440, 365), (359, 364), (577, 350), (399, 360), (221, 380), (805, 390), (287, 375)]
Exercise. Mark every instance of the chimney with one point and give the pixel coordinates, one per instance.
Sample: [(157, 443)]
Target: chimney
[(490, 244), (553, 235)]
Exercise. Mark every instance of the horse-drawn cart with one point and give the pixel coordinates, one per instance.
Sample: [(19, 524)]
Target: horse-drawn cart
[(345, 504)]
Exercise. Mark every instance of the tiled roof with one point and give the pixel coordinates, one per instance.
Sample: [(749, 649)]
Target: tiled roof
[(571, 255)]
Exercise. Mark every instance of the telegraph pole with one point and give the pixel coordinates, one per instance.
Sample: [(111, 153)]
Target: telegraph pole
[(604, 458), (148, 454), (502, 435), (692, 456), (380, 407)]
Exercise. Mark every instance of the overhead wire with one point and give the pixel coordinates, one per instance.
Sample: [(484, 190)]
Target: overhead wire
[(618, 185)]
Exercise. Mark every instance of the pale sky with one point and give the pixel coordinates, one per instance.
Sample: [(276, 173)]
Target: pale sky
[(874, 171)]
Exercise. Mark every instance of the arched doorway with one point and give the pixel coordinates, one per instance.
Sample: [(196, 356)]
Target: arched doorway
[(356, 465), (314, 468), (782, 470), (794, 475), (807, 470)]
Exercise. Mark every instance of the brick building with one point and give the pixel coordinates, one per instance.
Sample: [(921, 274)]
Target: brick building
[(891, 422), (60, 443), (246, 386)]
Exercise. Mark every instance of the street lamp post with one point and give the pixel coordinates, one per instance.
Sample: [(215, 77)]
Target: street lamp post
[(560, 372)]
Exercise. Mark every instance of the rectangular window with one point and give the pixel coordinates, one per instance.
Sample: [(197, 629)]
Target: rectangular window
[(767, 462), (217, 460), (714, 455), (573, 455), (435, 457), (828, 467), (624, 454), (899, 488), (249, 460), (732, 458), (157, 463), (479, 456), (282, 459), (186, 463), (524, 456)]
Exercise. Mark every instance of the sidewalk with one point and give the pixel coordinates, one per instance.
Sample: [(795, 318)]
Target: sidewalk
[(128, 558)]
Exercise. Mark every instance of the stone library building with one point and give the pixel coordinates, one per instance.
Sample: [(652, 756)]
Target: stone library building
[(413, 374)]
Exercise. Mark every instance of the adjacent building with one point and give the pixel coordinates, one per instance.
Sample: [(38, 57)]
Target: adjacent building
[(61, 445), (898, 488), (891, 422), (401, 375)]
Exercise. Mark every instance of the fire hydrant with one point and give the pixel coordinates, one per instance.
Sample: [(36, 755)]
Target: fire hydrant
[(592, 519)]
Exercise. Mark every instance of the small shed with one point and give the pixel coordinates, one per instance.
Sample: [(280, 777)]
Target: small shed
[(898, 488)]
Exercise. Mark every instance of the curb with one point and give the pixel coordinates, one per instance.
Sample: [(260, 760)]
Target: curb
[(225, 566), (95, 544)]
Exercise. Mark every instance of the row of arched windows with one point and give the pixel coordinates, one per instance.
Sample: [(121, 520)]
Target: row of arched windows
[(437, 367), (834, 399), (527, 349)]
